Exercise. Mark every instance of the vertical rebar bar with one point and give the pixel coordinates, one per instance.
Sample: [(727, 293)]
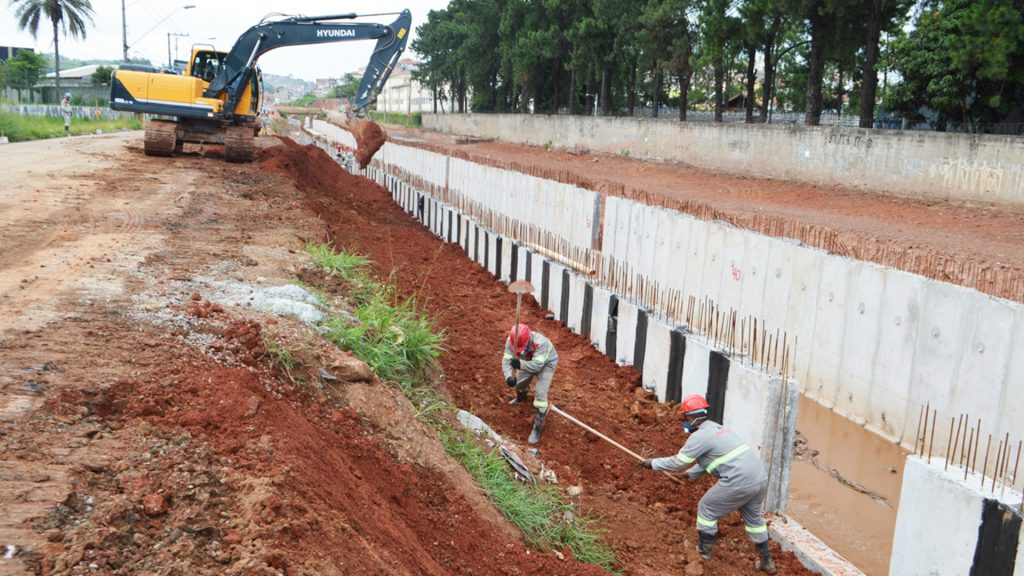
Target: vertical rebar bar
[(1013, 481), (999, 459), (970, 444), (931, 443), (949, 442), (984, 463), (956, 442), (917, 435), (974, 459)]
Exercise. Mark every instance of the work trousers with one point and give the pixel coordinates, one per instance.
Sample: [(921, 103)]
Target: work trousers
[(544, 377), (721, 500)]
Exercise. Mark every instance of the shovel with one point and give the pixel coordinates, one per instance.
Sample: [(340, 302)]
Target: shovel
[(519, 287)]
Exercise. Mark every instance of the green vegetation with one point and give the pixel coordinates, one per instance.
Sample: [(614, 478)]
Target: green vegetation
[(548, 522), (348, 87), (961, 59), (67, 16), (401, 345), (22, 128), (398, 118), (101, 76), (280, 356), (302, 102), (23, 71)]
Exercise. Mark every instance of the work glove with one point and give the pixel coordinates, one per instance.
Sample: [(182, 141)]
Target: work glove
[(645, 464), (510, 382), (515, 363)]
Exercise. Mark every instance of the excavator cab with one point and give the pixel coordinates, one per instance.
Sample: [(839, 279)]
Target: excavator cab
[(204, 64)]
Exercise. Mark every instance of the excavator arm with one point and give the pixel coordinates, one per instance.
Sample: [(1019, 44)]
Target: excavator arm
[(237, 68)]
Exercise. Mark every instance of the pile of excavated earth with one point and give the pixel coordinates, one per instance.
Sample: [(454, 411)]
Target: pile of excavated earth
[(146, 429)]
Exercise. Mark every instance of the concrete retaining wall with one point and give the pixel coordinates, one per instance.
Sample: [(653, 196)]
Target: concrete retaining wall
[(875, 344), (932, 165), (947, 525)]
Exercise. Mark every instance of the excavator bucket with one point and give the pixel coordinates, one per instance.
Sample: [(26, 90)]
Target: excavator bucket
[(369, 138)]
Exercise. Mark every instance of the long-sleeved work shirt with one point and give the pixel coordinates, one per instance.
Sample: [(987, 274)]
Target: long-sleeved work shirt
[(716, 450), (538, 353)]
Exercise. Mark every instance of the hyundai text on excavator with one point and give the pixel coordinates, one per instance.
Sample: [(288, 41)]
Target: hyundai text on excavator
[(219, 96)]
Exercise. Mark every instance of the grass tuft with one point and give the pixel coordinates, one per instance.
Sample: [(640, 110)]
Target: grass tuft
[(280, 356), (20, 128)]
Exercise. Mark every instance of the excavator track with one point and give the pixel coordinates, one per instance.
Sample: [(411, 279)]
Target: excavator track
[(238, 144), (161, 138)]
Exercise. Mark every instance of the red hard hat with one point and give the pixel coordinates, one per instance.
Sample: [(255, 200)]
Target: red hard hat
[(519, 337), (692, 403)]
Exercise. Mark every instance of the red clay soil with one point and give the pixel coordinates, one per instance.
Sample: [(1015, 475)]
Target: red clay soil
[(369, 138), (976, 245), (230, 469), (650, 519)]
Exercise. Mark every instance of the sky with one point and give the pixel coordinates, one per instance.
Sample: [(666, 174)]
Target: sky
[(216, 22)]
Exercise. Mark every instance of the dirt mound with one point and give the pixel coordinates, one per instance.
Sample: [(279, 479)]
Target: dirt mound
[(369, 138), (650, 520)]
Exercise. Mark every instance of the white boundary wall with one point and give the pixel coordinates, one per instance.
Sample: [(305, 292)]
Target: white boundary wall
[(932, 165), (942, 518), (875, 344)]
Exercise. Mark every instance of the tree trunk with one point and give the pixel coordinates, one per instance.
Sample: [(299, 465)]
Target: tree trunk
[(589, 102), (56, 62), (751, 80), (869, 84), (606, 91), (538, 85), (558, 86), (684, 88), (632, 89), (659, 78), (573, 108), (812, 113), (719, 81), (434, 91), (769, 79)]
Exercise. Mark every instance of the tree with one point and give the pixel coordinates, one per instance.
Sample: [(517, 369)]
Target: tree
[(348, 87), (964, 59), (67, 16), (102, 74), (23, 71)]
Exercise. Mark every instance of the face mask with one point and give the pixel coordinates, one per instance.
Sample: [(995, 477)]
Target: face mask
[(688, 427)]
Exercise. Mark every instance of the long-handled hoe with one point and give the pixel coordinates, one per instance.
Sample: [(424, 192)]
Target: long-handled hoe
[(519, 287)]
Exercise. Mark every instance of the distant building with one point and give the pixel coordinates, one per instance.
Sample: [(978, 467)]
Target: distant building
[(403, 94), (8, 52), (324, 86), (79, 77)]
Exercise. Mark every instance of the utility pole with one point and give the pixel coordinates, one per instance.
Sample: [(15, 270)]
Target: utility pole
[(170, 62), (124, 32)]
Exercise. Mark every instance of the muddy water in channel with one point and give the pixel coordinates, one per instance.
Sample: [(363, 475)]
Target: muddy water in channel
[(846, 494)]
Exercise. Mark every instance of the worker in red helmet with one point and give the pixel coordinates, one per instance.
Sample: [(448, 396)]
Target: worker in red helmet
[(528, 355), (742, 483)]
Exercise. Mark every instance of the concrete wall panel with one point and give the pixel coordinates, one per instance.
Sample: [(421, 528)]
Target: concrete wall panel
[(714, 265), (625, 335), (577, 288), (732, 264), (599, 319), (829, 328), (693, 282), (696, 368), (985, 358), (860, 343), (656, 356), (937, 353), (1013, 385), (556, 287), (899, 318), (754, 274)]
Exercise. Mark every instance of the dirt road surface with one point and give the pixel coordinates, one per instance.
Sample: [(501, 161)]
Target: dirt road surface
[(143, 429)]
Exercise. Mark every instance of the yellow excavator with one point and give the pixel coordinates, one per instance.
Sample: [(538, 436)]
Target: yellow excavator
[(218, 98)]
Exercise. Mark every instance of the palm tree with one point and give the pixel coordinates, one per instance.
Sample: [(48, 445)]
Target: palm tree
[(65, 15)]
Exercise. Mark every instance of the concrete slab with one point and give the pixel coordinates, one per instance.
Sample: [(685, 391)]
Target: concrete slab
[(899, 316)]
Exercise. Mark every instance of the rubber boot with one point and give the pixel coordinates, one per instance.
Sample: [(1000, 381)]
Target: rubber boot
[(765, 562), (520, 396), (707, 542), (538, 424)]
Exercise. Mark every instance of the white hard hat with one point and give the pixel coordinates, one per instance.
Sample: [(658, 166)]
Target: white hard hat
[(67, 94)]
